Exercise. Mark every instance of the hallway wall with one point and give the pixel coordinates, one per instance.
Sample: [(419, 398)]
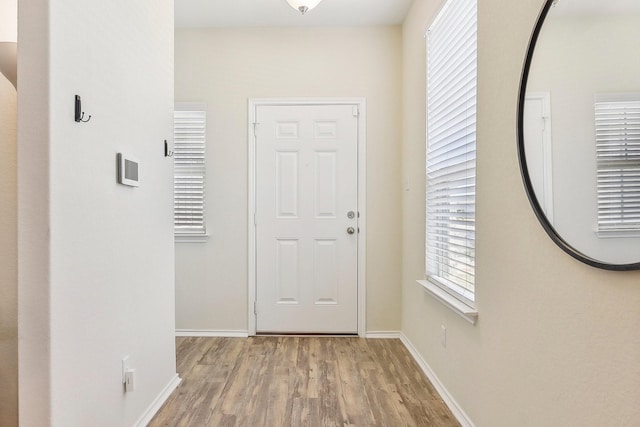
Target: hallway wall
[(226, 67), (96, 259), (8, 255), (556, 343)]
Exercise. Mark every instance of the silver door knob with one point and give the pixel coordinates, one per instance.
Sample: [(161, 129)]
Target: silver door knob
[(351, 230)]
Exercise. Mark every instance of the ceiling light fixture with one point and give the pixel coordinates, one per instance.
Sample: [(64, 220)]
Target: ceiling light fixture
[(303, 5)]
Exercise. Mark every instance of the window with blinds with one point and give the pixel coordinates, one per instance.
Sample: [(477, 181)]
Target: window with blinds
[(618, 164), (189, 124), (451, 148)]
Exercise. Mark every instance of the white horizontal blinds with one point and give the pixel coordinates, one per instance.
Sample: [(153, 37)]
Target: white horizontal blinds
[(189, 171), (451, 147), (189, 138), (618, 162)]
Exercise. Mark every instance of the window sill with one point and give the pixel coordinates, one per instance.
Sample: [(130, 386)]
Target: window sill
[(617, 234), (191, 238), (468, 313)]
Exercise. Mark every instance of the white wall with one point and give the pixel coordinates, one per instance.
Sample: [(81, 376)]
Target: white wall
[(96, 271), (226, 67), (556, 343), (8, 256), (575, 59)]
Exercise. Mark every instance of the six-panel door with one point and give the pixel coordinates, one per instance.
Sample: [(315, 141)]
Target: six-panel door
[(306, 188)]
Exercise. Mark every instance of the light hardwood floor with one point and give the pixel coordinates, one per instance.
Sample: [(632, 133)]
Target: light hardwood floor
[(300, 381)]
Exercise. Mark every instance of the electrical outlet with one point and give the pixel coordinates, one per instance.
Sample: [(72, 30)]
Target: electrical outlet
[(125, 368), (443, 336)]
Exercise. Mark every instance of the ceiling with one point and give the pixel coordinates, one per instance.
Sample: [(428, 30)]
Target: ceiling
[(278, 13)]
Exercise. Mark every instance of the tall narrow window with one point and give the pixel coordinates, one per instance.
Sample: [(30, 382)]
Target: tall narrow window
[(451, 148), (618, 164), (189, 126)]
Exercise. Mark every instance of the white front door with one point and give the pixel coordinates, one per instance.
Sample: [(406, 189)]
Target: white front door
[(306, 218)]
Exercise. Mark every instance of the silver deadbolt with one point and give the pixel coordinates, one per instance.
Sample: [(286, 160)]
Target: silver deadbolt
[(351, 230), (351, 214)]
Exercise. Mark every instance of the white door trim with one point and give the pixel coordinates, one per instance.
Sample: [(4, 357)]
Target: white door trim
[(547, 151), (360, 103)]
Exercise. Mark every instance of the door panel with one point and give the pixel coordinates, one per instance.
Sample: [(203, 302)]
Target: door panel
[(306, 184), (325, 272), (325, 184), (287, 272), (287, 184)]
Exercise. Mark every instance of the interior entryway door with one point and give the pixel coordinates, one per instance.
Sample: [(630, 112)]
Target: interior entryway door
[(306, 219)]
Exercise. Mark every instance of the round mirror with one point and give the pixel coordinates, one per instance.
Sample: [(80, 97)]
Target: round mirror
[(579, 129)]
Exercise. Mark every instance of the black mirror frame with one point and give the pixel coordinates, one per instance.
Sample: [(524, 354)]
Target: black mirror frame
[(564, 245)]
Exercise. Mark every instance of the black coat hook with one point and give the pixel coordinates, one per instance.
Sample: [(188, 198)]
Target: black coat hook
[(167, 153), (79, 114)]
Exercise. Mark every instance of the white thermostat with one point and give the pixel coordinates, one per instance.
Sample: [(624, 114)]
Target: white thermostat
[(128, 170)]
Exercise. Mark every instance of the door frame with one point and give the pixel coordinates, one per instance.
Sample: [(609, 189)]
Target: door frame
[(547, 151), (360, 104)]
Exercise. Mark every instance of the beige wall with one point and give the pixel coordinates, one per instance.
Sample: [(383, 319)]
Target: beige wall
[(556, 343), (226, 67), (96, 259), (8, 256)]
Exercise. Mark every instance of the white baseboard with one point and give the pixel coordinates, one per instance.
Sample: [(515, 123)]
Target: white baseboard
[(455, 408), (158, 402), (245, 334), (382, 335), (210, 333)]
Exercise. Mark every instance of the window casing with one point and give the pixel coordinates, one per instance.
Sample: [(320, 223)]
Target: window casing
[(617, 119), (451, 149), (189, 170)]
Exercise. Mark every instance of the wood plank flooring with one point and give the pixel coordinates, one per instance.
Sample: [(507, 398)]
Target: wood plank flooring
[(300, 381)]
